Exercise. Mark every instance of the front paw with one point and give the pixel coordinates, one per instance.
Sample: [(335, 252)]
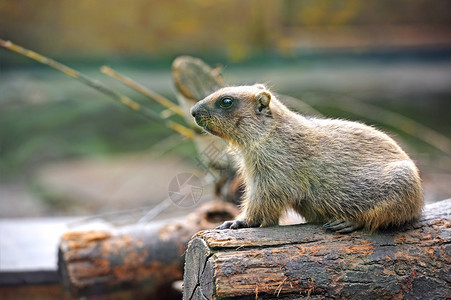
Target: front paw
[(236, 224)]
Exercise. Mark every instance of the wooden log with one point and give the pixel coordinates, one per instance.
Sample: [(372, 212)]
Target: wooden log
[(194, 80), (291, 262), (140, 256)]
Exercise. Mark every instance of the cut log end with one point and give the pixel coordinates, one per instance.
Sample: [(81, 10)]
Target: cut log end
[(198, 271)]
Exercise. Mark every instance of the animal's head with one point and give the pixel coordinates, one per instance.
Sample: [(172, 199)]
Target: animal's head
[(235, 113)]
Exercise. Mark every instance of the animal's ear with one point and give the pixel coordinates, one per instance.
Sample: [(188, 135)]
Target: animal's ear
[(263, 99)]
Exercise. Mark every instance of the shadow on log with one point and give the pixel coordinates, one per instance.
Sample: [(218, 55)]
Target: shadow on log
[(143, 257), (290, 262)]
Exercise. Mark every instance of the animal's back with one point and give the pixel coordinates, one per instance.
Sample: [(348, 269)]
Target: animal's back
[(359, 173)]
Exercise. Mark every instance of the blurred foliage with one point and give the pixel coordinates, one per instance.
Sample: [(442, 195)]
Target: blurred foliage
[(71, 121), (232, 29), (52, 117), (46, 117)]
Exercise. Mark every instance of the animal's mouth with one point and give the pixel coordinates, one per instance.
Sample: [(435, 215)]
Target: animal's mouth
[(203, 121), (206, 122), (200, 120)]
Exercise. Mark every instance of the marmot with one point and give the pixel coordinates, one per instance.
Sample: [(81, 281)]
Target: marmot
[(345, 174)]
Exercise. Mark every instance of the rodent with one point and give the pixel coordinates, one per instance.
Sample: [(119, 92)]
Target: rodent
[(345, 174)]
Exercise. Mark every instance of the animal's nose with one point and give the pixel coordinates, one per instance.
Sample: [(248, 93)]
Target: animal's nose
[(200, 110)]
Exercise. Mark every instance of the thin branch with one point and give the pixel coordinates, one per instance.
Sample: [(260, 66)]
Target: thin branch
[(143, 90), (133, 105), (398, 121), (300, 106)]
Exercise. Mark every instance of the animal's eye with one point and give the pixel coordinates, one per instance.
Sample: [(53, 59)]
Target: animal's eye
[(226, 103)]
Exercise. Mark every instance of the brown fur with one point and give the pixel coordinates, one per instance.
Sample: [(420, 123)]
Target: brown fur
[(324, 169)]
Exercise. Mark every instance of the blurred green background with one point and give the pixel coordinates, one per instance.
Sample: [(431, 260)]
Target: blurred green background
[(66, 149)]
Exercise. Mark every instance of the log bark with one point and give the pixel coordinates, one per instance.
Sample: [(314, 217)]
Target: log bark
[(291, 262), (140, 256)]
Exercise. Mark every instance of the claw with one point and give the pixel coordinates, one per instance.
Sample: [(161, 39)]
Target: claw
[(340, 226), (225, 225), (236, 224), (347, 229), (239, 224), (333, 223)]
